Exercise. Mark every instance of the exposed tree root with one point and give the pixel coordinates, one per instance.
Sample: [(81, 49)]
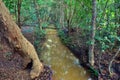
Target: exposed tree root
[(110, 64)]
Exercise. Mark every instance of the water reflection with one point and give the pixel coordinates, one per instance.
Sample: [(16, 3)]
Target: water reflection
[(65, 66)]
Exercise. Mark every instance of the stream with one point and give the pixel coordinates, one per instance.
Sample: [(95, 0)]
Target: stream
[(63, 63)]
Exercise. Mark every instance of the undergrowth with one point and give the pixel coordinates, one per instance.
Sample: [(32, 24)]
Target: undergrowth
[(39, 38), (64, 38)]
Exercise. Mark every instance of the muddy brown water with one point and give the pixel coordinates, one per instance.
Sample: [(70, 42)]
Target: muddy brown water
[(63, 63)]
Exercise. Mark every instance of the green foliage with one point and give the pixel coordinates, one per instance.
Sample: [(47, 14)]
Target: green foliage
[(39, 38), (79, 13), (107, 21), (106, 35), (108, 41), (44, 24), (94, 71), (64, 37), (10, 4)]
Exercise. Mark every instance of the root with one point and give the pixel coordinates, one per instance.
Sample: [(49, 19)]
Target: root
[(110, 64), (36, 70)]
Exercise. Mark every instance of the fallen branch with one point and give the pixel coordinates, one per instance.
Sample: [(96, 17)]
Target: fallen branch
[(110, 64)]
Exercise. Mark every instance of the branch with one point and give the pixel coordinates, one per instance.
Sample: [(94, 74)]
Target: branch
[(110, 64)]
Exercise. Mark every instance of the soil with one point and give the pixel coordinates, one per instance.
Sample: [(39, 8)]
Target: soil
[(81, 52), (11, 64), (104, 64)]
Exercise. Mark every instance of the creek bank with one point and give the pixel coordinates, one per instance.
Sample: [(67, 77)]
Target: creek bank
[(82, 55), (81, 52)]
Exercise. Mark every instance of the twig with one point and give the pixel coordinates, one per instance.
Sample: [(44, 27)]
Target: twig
[(110, 64)]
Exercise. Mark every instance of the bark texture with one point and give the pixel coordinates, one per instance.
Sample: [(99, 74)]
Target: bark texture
[(19, 43), (19, 9), (91, 47)]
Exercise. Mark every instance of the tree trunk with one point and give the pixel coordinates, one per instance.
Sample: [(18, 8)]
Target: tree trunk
[(37, 14), (15, 8), (92, 35), (19, 9), (12, 33), (62, 13)]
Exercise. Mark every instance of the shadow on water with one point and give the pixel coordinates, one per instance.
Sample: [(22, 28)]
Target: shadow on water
[(64, 65)]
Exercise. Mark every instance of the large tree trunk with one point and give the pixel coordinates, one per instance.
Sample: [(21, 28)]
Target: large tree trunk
[(12, 33)]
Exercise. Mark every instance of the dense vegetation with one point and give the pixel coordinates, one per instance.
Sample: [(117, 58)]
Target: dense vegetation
[(73, 14), (73, 19)]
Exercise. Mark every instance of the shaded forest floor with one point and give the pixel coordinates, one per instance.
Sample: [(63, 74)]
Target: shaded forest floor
[(11, 63), (81, 52), (104, 64)]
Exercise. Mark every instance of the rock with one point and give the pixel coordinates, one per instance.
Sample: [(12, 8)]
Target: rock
[(49, 40), (89, 78)]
